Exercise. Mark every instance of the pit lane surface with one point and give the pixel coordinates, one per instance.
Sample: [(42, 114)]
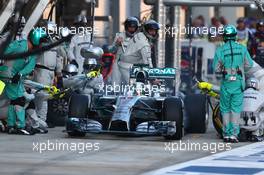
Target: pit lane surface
[(105, 154), (246, 160)]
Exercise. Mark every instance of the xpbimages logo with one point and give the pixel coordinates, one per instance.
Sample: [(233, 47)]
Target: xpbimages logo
[(212, 147), (138, 88), (173, 31), (80, 147), (60, 31)]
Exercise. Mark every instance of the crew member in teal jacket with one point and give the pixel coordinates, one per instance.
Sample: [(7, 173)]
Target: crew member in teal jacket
[(16, 71), (231, 60)]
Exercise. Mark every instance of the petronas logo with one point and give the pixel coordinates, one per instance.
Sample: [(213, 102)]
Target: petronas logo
[(164, 71)]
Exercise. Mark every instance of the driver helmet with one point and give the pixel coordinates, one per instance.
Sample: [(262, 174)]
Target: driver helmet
[(241, 20), (141, 77), (252, 83), (260, 23), (151, 24), (69, 70), (90, 64), (131, 22)]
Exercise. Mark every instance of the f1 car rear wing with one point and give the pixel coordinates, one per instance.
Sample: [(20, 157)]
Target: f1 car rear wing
[(152, 73)]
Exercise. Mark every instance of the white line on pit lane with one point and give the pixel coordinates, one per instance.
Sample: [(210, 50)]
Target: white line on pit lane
[(248, 160)]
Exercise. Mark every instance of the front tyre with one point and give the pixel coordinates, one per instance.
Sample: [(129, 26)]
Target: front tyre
[(173, 111)]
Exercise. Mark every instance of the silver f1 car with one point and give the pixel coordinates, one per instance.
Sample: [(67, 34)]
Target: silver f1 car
[(143, 109)]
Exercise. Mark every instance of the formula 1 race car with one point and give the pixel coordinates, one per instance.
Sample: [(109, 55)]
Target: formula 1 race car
[(143, 109)]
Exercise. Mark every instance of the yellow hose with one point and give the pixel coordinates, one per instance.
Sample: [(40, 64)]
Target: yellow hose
[(2, 87)]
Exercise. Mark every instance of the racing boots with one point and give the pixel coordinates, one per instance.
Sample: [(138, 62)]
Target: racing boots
[(3, 127), (226, 139), (39, 130), (12, 130), (230, 139), (19, 131), (233, 139)]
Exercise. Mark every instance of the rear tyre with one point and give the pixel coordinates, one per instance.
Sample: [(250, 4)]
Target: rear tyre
[(173, 111)]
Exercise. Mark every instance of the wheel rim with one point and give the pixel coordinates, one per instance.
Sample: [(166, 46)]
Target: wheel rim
[(217, 119)]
